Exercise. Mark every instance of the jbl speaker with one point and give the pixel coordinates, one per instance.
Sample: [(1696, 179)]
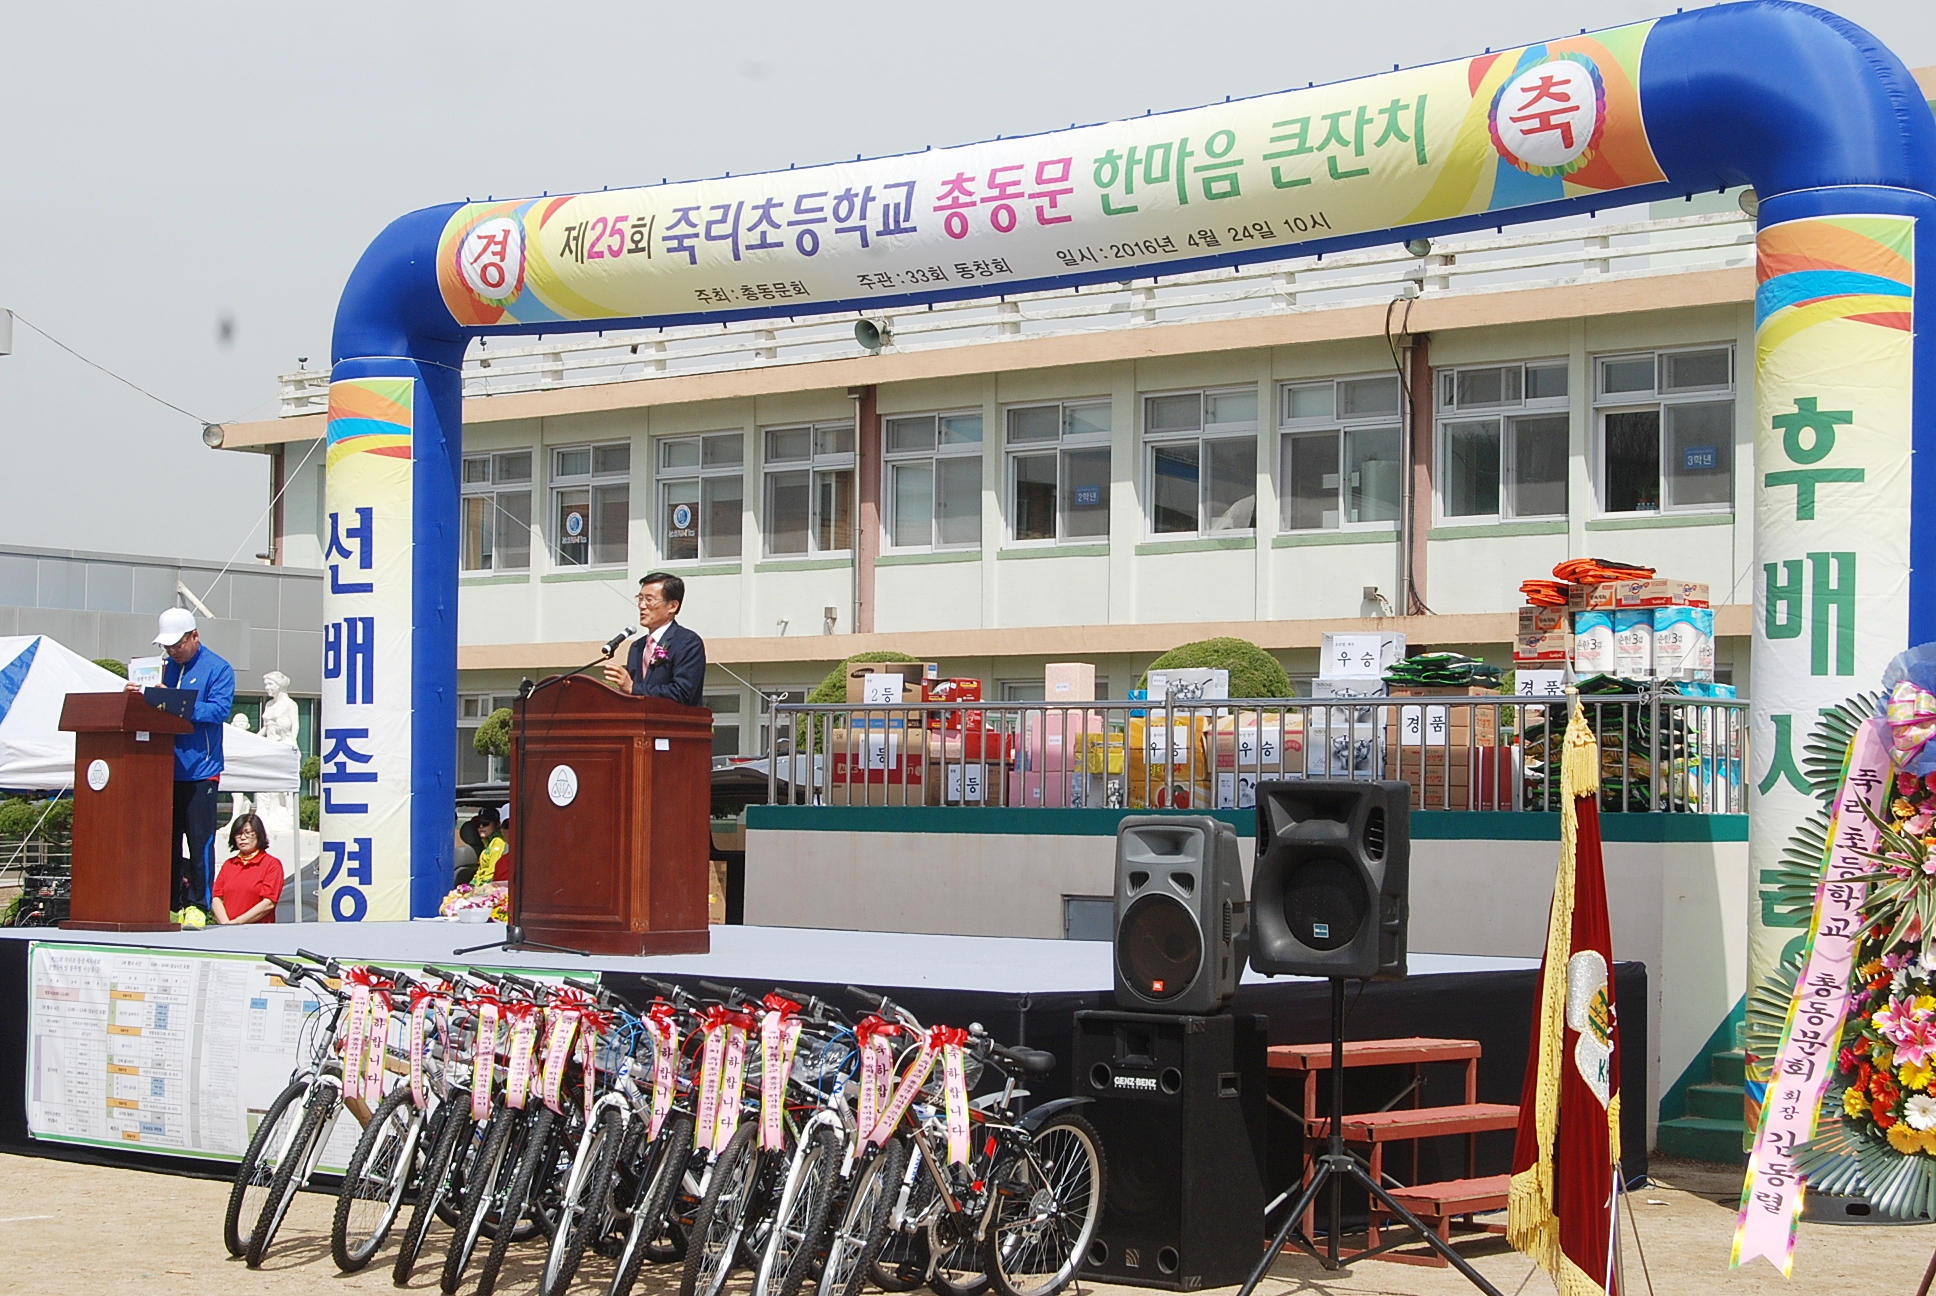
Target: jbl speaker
[(1180, 1107), (1328, 894), (1182, 930)]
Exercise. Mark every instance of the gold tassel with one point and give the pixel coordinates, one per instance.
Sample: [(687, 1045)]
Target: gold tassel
[(1532, 1226)]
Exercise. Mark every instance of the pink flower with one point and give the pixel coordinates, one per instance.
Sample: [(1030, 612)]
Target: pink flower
[(1907, 783), (1900, 1012), (659, 654), (1919, 824), (1895, 959), (1915, 1041)]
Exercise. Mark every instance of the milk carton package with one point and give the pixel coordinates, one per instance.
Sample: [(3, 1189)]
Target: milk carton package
[(1593, 643), (1684, 643), (1633, 643)]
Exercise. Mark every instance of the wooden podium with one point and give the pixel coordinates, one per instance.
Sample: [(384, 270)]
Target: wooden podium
[(610, 821), (124, 811)]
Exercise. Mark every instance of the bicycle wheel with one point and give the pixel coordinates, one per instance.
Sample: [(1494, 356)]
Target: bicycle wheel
[(666, 1158), (713, 1245), (949, 1245), (538, 1156), (1047, 1203), (484, 1185), (903, 1260), (585, 1212), (802, 1218), (856, 1240), (266, 1149), (375, 1180), (319, 1112), (453, 1122)]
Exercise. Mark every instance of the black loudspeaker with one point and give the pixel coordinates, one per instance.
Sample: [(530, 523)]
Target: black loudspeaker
[(1329, 893), (1181, 927), (1180, 1106)]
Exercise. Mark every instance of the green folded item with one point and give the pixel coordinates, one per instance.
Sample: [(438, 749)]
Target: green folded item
[(1442, 670)]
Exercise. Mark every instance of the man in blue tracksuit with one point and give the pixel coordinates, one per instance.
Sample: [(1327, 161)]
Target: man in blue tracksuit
[(198, 754)]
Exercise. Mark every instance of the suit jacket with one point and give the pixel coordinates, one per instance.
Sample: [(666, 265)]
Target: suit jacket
[(680, 677)]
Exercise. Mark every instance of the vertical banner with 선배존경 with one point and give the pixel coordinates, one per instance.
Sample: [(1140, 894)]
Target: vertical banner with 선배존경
[(367, 620), (1833, 376)]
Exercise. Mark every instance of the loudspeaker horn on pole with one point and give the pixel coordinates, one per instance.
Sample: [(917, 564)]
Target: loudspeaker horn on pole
[(1330, 891), (874, 334), (1181, 924)]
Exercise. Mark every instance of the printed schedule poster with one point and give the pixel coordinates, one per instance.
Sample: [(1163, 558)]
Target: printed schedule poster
[(170, 1053)]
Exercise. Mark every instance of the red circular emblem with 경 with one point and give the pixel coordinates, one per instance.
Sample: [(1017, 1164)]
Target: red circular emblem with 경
[(1548, 119)]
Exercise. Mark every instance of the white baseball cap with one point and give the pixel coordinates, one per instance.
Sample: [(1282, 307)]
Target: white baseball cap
[(175, 623)]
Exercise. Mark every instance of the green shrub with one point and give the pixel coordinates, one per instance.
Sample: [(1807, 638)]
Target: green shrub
[(20, 816), (309, 813), (1254, 673), (109, 663), (312, 768), (493, 737)]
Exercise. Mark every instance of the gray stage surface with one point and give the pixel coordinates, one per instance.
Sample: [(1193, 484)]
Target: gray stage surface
[(768, 955)]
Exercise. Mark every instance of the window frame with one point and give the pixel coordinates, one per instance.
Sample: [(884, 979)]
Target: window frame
[(813, 465), (1203, 436), (1061, 447), (891, 459), (1506, 414), (1339, 427), (699, 474), (1658, 402), (492, 489), (591, 482)]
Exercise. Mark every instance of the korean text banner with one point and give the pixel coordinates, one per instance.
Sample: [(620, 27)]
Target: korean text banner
[(1834, 369), (1507, 130), (367, 650)]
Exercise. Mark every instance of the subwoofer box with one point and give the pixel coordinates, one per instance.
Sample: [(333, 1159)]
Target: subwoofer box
[(1179, 1104)]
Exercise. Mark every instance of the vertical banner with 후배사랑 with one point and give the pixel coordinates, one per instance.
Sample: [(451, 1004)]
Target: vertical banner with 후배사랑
[(367, 591)]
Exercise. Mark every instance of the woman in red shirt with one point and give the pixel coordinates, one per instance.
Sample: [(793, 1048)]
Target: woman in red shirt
[(250, 883)]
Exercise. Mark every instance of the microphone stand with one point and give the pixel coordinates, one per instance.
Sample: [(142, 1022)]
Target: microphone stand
[(514, 937)]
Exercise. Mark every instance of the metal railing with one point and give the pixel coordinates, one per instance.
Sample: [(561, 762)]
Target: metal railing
[(1659, 752), (1563, 252)]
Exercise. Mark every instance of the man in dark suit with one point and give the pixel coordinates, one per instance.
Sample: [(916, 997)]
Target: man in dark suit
[(668, 660)]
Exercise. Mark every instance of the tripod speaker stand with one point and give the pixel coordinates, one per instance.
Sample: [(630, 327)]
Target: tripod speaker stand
[(1333, 1168)]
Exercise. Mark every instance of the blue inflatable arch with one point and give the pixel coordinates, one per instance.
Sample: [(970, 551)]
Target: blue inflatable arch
[(1824, 122)]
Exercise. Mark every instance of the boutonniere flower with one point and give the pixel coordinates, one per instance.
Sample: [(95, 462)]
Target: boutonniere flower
[(658, 654)]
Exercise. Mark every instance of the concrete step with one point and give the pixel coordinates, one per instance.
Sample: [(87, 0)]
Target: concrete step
[(1728, 1068), (1715, 1101), (1698, 1138)]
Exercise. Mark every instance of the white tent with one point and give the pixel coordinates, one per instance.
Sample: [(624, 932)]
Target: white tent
[(37, 674)]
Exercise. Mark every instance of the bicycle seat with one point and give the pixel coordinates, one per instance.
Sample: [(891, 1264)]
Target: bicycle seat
[(1032, 1061)]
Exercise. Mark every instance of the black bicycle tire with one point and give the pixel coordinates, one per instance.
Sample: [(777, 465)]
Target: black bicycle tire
[(886, 1162), (941, 1286), (238, 1245), (740, 1146), (608, 1134), (674, 1149), (537, 1149), (991, 1242), (895, 1280), (490, 1160), (316, 1115), (453, 1121), (346, 1258), (826, 1154)]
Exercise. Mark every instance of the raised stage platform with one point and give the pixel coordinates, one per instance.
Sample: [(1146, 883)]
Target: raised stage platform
[(1024, 991)]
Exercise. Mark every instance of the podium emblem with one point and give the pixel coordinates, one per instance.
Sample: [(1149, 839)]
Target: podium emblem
[(562, 785), (97, 774)]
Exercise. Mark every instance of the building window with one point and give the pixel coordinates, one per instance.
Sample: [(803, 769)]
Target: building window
[(933, 480), (473, 709), (1058, 471), (1342, 463), (1666, 431), (701, 492), (1202, 461), (810, 489), (591, 494), (1502, 441), (725, 709), (497, 512)]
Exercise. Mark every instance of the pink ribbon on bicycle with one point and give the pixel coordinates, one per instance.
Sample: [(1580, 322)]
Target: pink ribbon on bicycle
[(659, 1020), (422, 1000), (719, 1023), (523, 1019), (912, 1079), (560, 1034), (484, 1054), (731, 1076), (779, 1034), (374, 1055), (876, 1067), (356, 1033), (954, 1088)]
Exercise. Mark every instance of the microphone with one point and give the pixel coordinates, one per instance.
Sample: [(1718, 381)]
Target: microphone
[(611, 645)]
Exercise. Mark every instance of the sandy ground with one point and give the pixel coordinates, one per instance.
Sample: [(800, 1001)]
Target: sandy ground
[(81, 1229)]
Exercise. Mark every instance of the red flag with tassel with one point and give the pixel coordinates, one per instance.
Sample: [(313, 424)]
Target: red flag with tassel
[(1561, 1207)]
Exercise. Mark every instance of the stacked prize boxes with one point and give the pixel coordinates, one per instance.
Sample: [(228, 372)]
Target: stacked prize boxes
[(1166, 747), (1451, 755), (1349, 741), (1050, 769), (883, 756), (1639, 630), (972, 758)]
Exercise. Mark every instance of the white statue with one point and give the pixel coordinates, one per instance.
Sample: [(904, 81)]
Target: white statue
[(279, 716), (239, 721)]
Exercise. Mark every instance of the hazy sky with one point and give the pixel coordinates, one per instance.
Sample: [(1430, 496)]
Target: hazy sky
[(187, 185)]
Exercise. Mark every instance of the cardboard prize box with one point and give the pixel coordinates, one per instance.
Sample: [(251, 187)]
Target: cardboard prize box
[(975, 768), (1463, 778), (1048, 767), (1442, 726), (1243, 752), (885, 763), (1545, 635), (1167, 770), (1102, 778), (1068, 682), (954, 690)]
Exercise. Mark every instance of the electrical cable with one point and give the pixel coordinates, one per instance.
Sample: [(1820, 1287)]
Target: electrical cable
[(126, 382), (249, 536), (1414, 605)]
